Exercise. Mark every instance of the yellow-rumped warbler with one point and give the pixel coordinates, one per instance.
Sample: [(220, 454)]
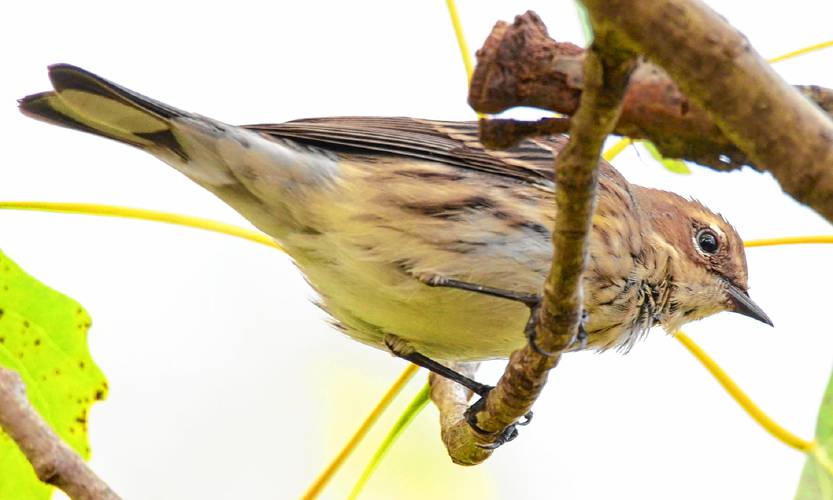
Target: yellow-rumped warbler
[(373, 210)]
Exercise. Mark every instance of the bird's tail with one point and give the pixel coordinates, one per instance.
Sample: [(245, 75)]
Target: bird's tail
[(86, 102), (245, 168)]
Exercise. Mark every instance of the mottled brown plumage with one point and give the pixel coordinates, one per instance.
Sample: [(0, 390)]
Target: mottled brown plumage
[(371, 208)]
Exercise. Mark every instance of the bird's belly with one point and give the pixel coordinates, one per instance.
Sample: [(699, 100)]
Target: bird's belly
[(371, 299)]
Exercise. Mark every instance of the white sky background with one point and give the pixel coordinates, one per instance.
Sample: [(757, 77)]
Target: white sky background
[(226, 382)]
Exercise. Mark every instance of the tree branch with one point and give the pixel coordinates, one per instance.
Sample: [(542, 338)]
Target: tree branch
[(520, 65), (452, 399), (714, 64), (498, 133), (54, 462), (607, 69), (606, 73)]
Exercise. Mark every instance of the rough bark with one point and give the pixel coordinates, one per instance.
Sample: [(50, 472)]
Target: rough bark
[(54, 462), (520, 65), (497, 133), (778, 129)]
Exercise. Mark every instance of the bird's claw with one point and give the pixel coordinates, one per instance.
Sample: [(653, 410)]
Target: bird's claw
[(531, 324), (578, 344), (508, 434), (581, 336)]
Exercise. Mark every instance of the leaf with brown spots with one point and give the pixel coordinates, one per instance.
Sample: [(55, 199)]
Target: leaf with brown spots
[(43, 337)]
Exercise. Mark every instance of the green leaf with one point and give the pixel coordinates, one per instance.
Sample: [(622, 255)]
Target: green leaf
[(676, 166), (43, 337), (817, 476)]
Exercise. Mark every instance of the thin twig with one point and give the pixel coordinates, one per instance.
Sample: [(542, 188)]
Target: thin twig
[(606, 76), (503, 133), (54, 462)]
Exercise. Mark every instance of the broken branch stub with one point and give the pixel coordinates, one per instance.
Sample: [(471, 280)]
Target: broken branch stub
[(520, 65)]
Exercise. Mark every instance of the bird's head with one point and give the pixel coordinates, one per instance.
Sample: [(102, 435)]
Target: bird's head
[(707, 263)]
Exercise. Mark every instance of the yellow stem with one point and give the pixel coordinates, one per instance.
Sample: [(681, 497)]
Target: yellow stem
[(617, 148), (799, 52), (328, 473), (142, 214), (461, 38), (742, 399), (732, 388), (788, 240), (461, 41)]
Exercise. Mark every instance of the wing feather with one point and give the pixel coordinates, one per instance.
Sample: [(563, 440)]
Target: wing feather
[(454, 143)]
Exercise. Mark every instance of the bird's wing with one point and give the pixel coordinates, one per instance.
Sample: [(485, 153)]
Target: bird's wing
[(453, 143)]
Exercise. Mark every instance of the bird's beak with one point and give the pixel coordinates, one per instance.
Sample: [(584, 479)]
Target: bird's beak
[(744, 305)]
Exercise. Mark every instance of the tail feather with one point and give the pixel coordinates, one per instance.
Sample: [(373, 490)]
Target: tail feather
[(47, 107), (86, 102), (259, 177)]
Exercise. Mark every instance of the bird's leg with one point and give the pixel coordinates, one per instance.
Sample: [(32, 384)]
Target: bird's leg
[(402, 349), (531, 300)]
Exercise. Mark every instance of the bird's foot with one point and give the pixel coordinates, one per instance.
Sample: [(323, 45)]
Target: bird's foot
[(577, 344), (508, 434), (581, 336), (402, 349)]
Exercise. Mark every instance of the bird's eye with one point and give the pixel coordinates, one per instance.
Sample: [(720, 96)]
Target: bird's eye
[(707, 241)]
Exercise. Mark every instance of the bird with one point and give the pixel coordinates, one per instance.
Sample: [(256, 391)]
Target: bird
[(397, 223)]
